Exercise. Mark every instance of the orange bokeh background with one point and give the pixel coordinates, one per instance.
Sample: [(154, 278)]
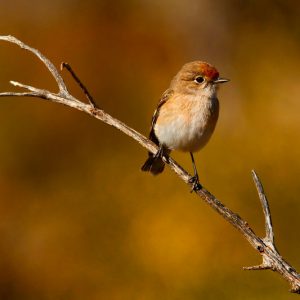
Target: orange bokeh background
[(78, 219)]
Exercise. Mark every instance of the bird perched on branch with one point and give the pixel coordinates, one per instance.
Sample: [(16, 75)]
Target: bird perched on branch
[(186, 115)]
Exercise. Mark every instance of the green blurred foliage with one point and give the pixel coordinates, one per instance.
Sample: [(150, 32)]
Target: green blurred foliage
[(78, 220)]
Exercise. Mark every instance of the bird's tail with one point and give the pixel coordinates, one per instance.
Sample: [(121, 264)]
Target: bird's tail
[(153, 164)]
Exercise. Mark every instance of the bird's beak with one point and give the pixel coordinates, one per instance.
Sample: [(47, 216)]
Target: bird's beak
[(220, 80)]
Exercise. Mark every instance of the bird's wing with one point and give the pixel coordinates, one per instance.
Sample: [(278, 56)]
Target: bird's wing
[(164, 98)]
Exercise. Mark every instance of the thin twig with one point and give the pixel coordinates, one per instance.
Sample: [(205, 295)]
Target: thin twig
[(25, 94), (24, 86), (266, 209), (259, 267), (82, 86), (271, 258)]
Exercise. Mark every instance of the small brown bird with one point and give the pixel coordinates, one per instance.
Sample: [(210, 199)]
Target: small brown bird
[(186, 115)]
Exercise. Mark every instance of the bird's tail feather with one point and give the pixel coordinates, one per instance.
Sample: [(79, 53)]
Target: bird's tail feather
[(153, 164)]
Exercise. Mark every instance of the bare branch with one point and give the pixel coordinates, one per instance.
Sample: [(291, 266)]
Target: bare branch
[(279, 264), (60, 82), (265, 247)]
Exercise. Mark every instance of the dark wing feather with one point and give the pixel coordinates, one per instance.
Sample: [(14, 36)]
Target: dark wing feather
[(154, 164), (164, 98)]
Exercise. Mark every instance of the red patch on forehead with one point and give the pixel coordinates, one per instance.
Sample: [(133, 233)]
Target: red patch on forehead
[(209, 71)]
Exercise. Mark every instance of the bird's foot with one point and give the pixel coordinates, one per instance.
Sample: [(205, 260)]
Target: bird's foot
[(159, 153), (196, 186)]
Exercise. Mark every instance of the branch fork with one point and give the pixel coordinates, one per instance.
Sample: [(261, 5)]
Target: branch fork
[(271, 258), (268, 240)]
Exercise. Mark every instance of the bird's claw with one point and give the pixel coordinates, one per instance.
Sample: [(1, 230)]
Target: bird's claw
[(159, 153), (196, 186)]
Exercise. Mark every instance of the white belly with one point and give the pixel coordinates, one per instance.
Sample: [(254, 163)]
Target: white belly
[(188, 128)]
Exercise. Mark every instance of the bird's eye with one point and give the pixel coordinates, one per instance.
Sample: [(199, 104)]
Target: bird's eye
[(199, 79)]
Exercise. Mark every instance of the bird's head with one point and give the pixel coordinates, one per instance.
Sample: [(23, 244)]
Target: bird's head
[(197, 77)]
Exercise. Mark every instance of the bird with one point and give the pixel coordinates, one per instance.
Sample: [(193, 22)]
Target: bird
[(186, 116)]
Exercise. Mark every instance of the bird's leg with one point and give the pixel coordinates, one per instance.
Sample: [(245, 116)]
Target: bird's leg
[(195, 179)]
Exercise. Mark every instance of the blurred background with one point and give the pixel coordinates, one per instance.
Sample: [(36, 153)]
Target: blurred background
[(78, 219)]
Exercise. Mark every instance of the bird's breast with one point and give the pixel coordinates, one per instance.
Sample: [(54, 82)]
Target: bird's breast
[(186, 123)]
